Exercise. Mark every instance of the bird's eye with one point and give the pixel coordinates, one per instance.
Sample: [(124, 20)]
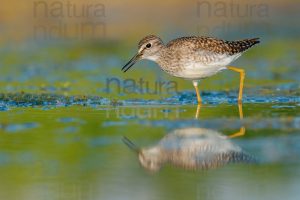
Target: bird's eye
[(148, 45)]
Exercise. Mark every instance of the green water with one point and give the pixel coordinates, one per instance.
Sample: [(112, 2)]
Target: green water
[(77, 153)]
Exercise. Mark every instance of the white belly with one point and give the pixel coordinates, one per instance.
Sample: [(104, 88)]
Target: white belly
[(199, 70)]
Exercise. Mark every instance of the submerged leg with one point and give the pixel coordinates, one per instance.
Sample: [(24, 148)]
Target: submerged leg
[(242, 77), (195, 83)]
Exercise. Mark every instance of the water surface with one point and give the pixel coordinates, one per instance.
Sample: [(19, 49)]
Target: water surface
[(76, 152)]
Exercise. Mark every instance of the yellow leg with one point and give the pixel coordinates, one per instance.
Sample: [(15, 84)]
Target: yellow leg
[(198, 110), (238, 134), (240, 105), (242, 77), (195, 83), (242, 129)]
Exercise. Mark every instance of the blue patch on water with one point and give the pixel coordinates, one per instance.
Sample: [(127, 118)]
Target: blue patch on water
[(166, 110), (71, 120), (71, 129), (114, 123), (3, 107), (283, 106), (101, 141), (128, 116), (19, 127)]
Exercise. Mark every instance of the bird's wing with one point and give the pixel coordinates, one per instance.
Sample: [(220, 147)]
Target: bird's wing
[(214, 45)]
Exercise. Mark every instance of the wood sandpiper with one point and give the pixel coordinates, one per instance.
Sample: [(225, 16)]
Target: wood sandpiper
[(191, 148), (193, 58)]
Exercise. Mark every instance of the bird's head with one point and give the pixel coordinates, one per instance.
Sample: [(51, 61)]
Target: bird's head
[(148, 48), (150, 158)]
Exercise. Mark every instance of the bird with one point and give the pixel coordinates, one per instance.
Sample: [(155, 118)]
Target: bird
[(194, 57), (191, 148)]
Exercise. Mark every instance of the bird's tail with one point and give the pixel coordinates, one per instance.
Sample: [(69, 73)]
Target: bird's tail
[(242, 45)]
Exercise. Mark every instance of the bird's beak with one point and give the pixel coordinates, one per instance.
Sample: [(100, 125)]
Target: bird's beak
[(130, 144), (131, 62)]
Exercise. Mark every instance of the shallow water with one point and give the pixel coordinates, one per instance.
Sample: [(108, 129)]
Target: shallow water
[(76, 152)]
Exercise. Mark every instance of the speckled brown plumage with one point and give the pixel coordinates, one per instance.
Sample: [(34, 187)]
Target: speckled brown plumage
[(214, 45)]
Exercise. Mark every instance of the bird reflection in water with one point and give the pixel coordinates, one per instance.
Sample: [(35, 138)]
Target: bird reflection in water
[(192, 148)]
